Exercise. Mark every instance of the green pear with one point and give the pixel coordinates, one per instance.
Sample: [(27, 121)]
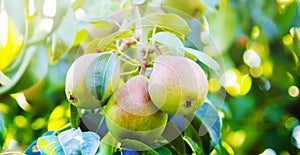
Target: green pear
[(75, 86), (194, 8), (130, 113), (177, 85)]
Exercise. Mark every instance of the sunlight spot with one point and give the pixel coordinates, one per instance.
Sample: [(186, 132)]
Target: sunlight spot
[(49, 8), (251, 58), (80, 13), (21, 99), (287, 39), (255, 32), (268, 152), (291, 123), (229, 78), (31, 7), (256, 71), (214, 85), (293, 91), (237, 138), (20, 121), (47, 24)]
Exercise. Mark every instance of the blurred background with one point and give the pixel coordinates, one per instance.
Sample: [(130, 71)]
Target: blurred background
[(259, 42)]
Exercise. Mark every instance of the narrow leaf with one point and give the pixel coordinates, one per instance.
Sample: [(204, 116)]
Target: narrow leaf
[(17, 13), (101, 74), (138, 146), (49, 145), (75, 117), (33, 68), (193, 139), (207, 60), (173, 135), (63, 37), (107, 144), (171, 41), (171, 22), (210, 122), (107, 42), (163, 151)]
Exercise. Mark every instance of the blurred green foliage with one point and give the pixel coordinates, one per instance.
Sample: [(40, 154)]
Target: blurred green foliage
[(259, 42)]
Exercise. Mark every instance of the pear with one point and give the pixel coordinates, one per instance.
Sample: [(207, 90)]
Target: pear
[(75, 86), (177, 85), (130, 113)]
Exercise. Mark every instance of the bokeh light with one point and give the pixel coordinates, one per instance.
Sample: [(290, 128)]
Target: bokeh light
[(293, 91)]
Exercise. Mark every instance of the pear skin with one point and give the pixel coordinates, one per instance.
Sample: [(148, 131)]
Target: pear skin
[(177, 85), (130, 113)]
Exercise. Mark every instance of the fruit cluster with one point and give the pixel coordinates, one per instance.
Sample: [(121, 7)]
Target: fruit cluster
[(139, 109)]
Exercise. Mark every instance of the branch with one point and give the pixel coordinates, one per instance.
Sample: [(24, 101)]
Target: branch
[(139, 37)]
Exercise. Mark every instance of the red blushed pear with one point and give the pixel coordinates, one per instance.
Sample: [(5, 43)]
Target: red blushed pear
[(177, 85), (130, 113), (76, 89)]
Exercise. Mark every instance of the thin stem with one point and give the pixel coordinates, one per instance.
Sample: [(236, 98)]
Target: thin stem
[(128, 57), (66, 127), (130, 72), (130, 62)]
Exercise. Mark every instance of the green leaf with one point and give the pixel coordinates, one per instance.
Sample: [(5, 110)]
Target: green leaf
[(17, 13), (33, 68), (207, 60), (138, 146), (223, 26), (41, 26), (171, 22), (49, 145), (63, 37), (2, 130), (211, 122), (107, 43), (193, 139), (99, 75), (173, 135), (163, 151), (107, 144), (171, 41), (75, 117), (91, 142)]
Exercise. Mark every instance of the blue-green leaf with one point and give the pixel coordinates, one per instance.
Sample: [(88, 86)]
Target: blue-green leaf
[(209, 116), (32, 149), (90, 143), (71, 141), (2, 131), (50, 145), (33, 68), (207, 60), (171, 41), (103, 73)]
